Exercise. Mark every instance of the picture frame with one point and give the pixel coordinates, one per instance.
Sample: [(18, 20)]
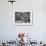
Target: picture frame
[(23, 18)]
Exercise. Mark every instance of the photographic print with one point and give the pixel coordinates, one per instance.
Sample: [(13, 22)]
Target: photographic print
[(23, 17)]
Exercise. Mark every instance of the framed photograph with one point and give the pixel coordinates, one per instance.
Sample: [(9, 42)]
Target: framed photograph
[(23, 17)]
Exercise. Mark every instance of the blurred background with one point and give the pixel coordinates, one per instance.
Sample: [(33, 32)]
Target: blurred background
[(8, 30)]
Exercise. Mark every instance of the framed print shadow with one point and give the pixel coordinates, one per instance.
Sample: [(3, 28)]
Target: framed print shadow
[(23, 18)]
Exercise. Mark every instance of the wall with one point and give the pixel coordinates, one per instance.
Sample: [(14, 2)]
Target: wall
[(9, 31)]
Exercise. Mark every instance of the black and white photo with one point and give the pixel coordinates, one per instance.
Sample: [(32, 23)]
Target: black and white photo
[(23, 17)]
